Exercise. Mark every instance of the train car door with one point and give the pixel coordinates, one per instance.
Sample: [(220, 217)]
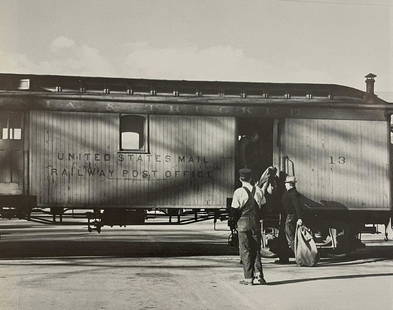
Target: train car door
[(254, 144), (11, 153)]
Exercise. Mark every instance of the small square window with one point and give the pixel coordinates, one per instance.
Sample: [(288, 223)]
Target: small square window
[(133, 133)]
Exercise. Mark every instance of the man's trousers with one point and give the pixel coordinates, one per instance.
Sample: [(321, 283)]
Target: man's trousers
[(250, 253), (290, 230)]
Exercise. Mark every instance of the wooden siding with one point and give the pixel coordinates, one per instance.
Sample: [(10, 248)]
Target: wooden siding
[(75, 161), (343, 162)]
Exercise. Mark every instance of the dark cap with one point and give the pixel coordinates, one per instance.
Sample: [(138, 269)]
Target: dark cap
[(245, 173)]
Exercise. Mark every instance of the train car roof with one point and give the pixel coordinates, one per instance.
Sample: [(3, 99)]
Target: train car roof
[(106, 94), (50, 83)]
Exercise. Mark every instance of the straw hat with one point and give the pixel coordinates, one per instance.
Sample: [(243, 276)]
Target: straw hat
[(290, 179)]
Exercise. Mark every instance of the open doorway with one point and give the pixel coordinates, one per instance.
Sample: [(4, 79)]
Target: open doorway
[(11, 153), (254, 147)]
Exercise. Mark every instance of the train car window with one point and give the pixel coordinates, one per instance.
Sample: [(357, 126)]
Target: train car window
[(133, 133), (15, 126), (4, 135), (17, 133), (11, 126)]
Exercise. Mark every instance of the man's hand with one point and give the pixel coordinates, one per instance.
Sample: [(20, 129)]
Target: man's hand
[(299, 222), (232, 223)]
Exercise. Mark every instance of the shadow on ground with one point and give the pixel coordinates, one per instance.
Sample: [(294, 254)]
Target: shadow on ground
[(124, 248), (21, 249)]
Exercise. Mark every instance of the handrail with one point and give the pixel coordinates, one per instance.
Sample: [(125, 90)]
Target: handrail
[(286, 165)]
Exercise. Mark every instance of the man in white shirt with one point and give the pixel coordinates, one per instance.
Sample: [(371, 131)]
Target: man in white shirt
[(246, 204)]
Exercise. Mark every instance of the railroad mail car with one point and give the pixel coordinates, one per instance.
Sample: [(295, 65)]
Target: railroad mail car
[(115, 143)]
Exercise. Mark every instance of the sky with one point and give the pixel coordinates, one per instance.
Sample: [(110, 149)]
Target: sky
[(299, 41)]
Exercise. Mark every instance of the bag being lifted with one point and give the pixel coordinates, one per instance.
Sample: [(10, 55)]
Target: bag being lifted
[(306, 252)]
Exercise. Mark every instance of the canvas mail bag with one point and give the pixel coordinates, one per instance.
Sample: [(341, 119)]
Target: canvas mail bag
[(306, 252)]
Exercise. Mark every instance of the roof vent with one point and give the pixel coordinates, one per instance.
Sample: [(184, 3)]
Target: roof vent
[(24, 84), (370, 83)]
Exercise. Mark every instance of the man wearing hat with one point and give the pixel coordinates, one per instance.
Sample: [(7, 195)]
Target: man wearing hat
[(294, 210), (247, 202)]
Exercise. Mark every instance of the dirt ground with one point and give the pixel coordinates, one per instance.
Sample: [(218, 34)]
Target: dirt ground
[(175, 267)]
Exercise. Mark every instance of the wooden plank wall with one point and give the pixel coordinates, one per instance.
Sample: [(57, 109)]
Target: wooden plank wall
[(75, 161), (11, 167), (341, 161)]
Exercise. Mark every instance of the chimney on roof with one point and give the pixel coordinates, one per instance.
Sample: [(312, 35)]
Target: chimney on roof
[(370, 83)]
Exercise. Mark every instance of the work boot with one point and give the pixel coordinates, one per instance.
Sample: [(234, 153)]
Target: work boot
[(246, 281), (259, 281)]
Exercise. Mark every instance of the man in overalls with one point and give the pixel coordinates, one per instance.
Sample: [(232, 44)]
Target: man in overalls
[(246, 204)]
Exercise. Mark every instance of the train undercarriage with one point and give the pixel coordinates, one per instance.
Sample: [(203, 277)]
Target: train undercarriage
[(338, 231)]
